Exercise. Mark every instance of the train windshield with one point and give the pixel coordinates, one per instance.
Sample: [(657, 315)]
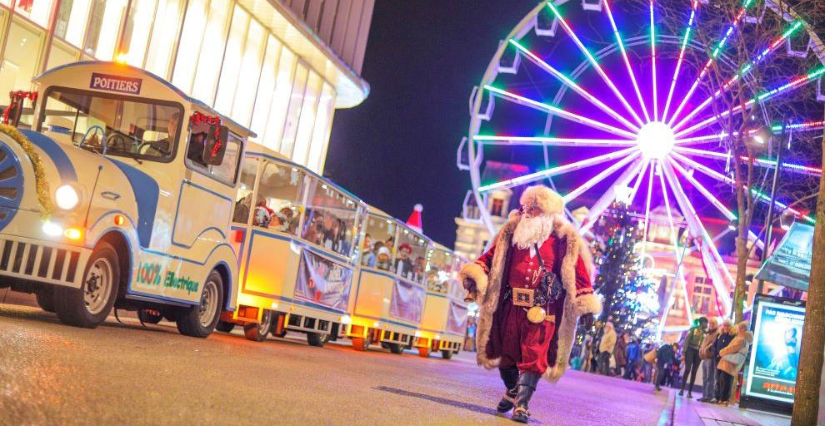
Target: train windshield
[(128, 127)]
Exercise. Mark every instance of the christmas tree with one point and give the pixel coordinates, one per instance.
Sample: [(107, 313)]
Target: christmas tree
[(627, 292)]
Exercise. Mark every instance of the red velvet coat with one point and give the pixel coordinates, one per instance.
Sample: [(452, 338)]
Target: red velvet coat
[(571, 262)]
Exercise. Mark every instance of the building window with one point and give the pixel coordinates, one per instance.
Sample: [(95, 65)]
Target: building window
[(263, 100), (232, 61), (306, 124), (71, 20), (138, 27), (190, 45), (702, 294), (280, 100), (250, 72), (497, 207), (293, 114), (164, 36), (323, 126), (21, 59), (214, 43), (61, 54), (104, 28), (36, 10)]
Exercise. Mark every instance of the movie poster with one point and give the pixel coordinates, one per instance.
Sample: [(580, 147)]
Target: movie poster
[(457, 318), (323, 282), (407, 301), (774, 357)]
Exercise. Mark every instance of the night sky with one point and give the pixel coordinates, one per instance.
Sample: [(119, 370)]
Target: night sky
[(398, 148)]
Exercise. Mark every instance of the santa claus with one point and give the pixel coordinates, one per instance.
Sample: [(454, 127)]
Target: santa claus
[(532, 286)]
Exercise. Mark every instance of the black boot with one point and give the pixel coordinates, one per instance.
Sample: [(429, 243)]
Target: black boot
[(527, 383), (510, 378)]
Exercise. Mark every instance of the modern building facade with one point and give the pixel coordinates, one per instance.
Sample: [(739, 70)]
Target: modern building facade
[(280, 67)]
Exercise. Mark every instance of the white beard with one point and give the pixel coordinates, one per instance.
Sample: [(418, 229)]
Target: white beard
[(532, 231)]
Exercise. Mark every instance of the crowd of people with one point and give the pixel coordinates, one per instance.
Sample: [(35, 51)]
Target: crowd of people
[(718, 348)]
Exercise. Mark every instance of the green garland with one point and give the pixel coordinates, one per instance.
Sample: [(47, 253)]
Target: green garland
[(43, 193)]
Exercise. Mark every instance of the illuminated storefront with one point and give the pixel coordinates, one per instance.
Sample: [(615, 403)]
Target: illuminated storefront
[(279, 67)]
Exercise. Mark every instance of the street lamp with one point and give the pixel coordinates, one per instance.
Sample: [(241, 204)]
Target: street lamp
[(786, 219), (761, 136)]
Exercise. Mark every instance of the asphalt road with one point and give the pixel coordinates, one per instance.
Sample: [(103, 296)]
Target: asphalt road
[(125, 374)]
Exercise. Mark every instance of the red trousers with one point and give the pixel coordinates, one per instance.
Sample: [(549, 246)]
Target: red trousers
[(523, 343)]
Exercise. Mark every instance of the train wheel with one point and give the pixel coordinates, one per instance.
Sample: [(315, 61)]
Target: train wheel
[(199, 321), (91, 304), (225, 327), (317, 339), (45, 299), (447, 354), (362, 343), (396, 348), (424, 352), (149, 316), (258, 332)]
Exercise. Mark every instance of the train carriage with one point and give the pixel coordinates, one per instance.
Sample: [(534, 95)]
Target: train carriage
[(444, 322), (296, 234), (388, 305)]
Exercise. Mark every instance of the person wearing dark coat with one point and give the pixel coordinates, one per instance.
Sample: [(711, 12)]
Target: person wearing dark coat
[(722, 340), (664, 360), (620, 353), (693, 340)]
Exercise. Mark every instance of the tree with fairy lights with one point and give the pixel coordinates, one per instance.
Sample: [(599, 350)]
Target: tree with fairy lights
[(620, 280)]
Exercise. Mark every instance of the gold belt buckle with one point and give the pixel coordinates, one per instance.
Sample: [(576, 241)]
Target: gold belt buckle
[(523, 297)]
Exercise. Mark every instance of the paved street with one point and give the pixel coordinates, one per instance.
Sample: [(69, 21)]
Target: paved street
[(125, 374)]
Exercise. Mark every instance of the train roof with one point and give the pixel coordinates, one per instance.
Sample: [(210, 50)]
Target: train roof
[(58, 73)]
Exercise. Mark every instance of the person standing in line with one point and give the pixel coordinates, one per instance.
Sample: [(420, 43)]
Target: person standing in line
[(723, 338), (633, 355), (733, 358), (620, 354), (664, 361), (606, 347), (690, 351), (707, 356)]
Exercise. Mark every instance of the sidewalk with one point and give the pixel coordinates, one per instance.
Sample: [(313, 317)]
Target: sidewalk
[(690, 412)]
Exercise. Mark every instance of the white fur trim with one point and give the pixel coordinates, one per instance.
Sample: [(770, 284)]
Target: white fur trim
[(549, 201), (476, 273), (587, 304)]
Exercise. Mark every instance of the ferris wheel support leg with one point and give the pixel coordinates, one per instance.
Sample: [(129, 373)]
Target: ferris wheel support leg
[(710, 256)]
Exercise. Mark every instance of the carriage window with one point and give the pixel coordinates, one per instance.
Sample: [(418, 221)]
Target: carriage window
[(411, 254), (228, 169), (243, 199), (379, 243), (330, 218), (140, 129), (439, 270), (277, 206)]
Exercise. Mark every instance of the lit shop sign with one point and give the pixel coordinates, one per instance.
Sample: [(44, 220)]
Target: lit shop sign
[(774, 358), (112, 83)]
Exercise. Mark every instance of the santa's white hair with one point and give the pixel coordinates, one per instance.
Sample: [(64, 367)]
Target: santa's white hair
[(535, 230)]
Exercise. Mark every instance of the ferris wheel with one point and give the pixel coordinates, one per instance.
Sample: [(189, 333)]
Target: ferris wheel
[(601, 95)]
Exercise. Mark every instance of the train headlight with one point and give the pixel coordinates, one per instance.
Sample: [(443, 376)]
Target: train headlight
[(66, 197)]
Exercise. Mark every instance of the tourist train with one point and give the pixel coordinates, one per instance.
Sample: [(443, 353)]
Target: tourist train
[(117, 190)]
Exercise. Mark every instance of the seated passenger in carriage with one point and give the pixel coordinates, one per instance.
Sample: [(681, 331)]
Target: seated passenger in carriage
[(403, 265), (263, 214), (383, 258)]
